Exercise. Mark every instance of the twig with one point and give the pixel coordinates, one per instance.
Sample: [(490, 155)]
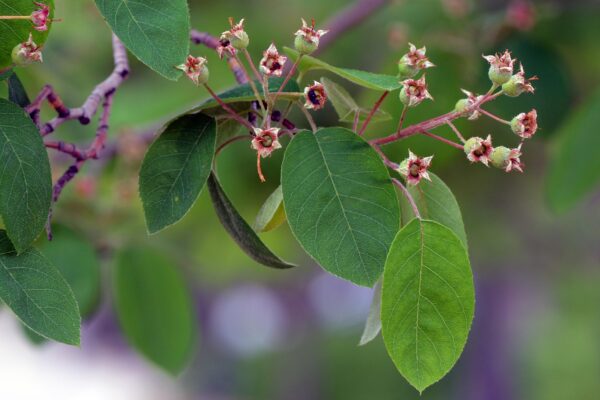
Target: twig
[(89, 108), (349, 18)]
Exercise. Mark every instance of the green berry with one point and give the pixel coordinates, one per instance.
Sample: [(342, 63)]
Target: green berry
[(500, 157)]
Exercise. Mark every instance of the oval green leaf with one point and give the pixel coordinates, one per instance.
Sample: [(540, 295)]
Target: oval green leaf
[(574, 172), (154, 308), (175, 169), (345, 106), (272, 214), (340, 202), (37, 293), (428, 301), (78, 263), (362, 78), (155, 31), (437, 203), (239, 230), (14, 32), (25, 181)]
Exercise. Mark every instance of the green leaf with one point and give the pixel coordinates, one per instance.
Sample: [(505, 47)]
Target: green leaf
[(78, 263), (155, 31), (340, 202), (4, 75), (373, 324), (25, 181), (14, 32), (244, 94), (362, 78), (154, 308), (574, 171), (345, 106), (16, 91), (175, 169), (239, 230), (427, 301), (37, 293), (436, 202), (272, 213)]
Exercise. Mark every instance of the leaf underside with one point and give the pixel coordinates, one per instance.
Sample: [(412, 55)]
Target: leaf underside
[(427, 301), (436, 202), (272, 214), (239, 230)]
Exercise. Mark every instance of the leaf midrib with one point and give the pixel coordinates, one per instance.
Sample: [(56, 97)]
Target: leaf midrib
[(337, 195)]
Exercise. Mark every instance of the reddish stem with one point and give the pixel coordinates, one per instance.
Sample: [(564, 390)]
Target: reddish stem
[(411, 200), (441, 139), (431, 123), (225, 107), (492, 116), (372, 113)]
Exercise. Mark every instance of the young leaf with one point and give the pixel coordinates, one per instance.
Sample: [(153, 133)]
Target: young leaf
[(25, 181), (362, 78), (16, 91), (345, 106), (373, 324), (14, 32), (340, 202), (175, 169), (427, 301), (435, 202), (154, 308), (271, 214), (78, 263), (239, 230), (38, 294), (244, 94), (155, 31), (574, 172)]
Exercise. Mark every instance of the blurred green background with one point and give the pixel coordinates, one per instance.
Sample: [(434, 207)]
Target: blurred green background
[(267, 334)]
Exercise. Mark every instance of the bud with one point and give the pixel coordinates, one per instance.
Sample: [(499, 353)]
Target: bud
[(413, 62), (518, 84), (195, 68), (315, 96), (478, 149), (39, 17), (525, 124), (465, 106), (501, 67), (507, 159), (272, 63), (236, 37), (307, 38), (26, 53), (266, 141), (414, 168), (414, 92)]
